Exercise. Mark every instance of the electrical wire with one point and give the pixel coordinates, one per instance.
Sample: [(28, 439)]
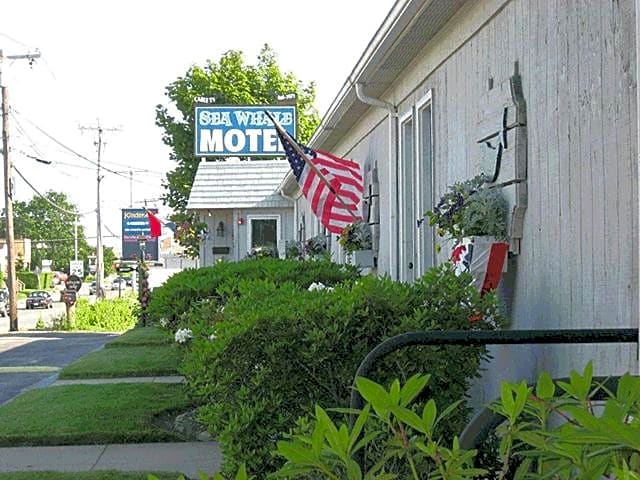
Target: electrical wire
[(79, 154), (69, 212)]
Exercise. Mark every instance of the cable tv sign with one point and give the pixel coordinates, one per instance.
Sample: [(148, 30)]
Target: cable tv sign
[(233, 130)]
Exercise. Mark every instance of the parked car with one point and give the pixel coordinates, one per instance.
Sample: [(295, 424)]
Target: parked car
[(118, 284), (39, 299)]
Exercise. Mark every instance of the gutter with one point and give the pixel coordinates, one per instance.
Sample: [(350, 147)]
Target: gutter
[(394, 144)]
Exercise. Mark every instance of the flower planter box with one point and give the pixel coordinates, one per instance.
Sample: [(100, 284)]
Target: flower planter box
[(361, 258), (484, 258)]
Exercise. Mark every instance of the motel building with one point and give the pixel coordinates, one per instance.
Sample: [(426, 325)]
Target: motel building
[(555, 84)]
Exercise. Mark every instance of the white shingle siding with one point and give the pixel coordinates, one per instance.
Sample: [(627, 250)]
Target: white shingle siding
[(250, 184)]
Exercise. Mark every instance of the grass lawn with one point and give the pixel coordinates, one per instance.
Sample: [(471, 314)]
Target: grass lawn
[(90, 414), (144, 361), (95, 475), (141, 336)]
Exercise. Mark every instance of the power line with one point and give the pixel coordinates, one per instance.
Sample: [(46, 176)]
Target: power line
[(47, 199), (79, 155)]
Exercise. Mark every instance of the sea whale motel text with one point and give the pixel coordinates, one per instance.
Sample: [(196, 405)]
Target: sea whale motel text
[(235, 139)]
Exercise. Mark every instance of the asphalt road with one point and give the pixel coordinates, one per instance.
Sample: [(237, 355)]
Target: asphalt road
[(29, 358)]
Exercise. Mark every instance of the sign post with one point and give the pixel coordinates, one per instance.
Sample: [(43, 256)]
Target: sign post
[(69, 296)]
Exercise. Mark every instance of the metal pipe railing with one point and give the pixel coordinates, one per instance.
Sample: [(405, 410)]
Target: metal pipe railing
[(489, 337)]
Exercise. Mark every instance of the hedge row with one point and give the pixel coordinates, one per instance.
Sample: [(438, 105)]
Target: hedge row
[(265, 349)]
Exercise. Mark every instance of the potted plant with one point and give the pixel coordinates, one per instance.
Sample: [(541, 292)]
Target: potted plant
[(475, 218), (355, 239), (293, 250), (316, 246)]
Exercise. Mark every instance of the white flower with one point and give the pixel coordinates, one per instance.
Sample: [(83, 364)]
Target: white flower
[(183, 335), (212, 337), (164, 322)]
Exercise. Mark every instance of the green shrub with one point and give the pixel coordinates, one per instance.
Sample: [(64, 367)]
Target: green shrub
[(45, 280), (30, 280), (279, 349), (409, 437), (114, 315), (557, 430), (218, 282)]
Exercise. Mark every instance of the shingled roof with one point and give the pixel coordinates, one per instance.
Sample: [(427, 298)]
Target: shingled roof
[(235, 184)]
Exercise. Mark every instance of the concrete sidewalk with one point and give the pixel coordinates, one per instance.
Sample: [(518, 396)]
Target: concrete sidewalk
[(187, 458), (102, 381)]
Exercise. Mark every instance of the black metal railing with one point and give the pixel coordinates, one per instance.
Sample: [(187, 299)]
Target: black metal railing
[(490, 337)]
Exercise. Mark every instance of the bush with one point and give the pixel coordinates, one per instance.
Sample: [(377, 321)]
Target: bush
[(218, 282), (45, 280), (116, 315), (278, 349), (30, 280)]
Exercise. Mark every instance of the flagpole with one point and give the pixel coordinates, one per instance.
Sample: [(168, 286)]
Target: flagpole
[(315, 169)]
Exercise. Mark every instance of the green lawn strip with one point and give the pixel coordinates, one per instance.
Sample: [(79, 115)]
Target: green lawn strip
[(95, 475), (141, 336), (143, 361), (90, 414)]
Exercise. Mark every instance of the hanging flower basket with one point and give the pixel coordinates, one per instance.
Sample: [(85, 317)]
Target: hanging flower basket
[(484, 257), (475, 217)]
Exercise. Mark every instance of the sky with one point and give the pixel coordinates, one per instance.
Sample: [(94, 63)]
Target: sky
[(109, 62)]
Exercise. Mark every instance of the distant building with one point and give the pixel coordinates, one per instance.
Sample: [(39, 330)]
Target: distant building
[(242, 206), (22, 252)]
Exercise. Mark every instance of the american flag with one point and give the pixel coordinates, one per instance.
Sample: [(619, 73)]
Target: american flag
[(336, 206)]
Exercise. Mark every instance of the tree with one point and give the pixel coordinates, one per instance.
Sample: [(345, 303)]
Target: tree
[(49, 228), (109, 257), (230, 81)]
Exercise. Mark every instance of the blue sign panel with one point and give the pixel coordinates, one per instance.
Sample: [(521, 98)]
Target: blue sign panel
[(135, 226), (230, 130)]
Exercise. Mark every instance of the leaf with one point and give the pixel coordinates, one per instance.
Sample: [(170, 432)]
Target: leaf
[(408, 417), (412, 388), (353, 470), (358, 425), (506, 396), (447, 411), (242, 472), (375, 394), (394, 392), (296, 453), (429, 416), (545, 387)]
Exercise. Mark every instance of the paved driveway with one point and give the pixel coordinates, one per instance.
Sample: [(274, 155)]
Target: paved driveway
[(27, 358)]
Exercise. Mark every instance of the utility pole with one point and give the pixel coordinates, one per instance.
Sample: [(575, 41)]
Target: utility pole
[(8, 193), (99, 248), (130, 188)]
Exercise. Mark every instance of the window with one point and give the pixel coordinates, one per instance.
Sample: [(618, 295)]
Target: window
[(424, 175), (406, 185), (263, 231), (415, 184)]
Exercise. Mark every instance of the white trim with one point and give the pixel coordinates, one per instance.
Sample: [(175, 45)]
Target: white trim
[(277, 218), (403, 235), (421, 104), (637, 179)]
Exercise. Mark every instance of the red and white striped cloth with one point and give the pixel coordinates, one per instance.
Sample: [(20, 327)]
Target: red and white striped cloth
[(484, 258)]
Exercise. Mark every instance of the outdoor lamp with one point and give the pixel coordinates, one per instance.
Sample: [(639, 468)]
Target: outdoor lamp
[(220, 229)]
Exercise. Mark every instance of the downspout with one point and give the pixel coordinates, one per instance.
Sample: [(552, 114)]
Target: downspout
[(638, 159), (295, 218), (394, 225)]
